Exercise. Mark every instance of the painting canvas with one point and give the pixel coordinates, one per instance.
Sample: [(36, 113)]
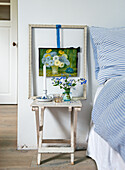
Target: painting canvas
[(59, 61)]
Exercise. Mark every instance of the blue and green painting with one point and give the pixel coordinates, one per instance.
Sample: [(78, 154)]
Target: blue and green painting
[(58, 61)]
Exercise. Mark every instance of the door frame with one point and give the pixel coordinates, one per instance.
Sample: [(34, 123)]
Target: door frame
[(12, 24)]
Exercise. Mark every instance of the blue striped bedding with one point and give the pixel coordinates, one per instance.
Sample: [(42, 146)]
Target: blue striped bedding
[(109, 52), (108, 114)]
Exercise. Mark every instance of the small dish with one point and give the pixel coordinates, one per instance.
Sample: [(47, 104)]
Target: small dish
[(48, 99)]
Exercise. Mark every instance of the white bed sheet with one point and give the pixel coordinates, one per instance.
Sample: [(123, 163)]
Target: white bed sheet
[(100, 151)]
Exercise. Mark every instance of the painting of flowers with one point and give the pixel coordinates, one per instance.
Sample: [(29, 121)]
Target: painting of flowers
[(58, 61)]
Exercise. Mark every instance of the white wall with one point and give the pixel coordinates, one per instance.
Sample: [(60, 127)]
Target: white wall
[(98, 13)]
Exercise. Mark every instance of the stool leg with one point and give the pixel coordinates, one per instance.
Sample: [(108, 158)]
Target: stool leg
[(75, 125), (72, 158), (37, 125), (73, 131), (72, 136), (40, 134), (38, 158), (36, 109)]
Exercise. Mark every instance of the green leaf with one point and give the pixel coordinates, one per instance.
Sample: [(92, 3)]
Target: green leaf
[(55, 85), (74, 84)]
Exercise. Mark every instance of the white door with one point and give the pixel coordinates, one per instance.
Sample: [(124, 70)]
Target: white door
[(8, 51)]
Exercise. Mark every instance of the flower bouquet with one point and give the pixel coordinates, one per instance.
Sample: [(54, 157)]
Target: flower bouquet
[(55, 60), (66, 84)]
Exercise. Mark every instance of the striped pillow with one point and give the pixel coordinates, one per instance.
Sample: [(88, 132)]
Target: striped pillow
[(109, 52)]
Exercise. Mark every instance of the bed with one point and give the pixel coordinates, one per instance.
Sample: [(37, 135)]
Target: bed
[(107, 149), (100, 151)]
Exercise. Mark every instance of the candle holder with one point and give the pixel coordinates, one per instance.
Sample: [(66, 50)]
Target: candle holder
[(44, 97), (44, 94)]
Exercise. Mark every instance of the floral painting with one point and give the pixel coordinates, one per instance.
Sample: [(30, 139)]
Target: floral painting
[(58, 61)]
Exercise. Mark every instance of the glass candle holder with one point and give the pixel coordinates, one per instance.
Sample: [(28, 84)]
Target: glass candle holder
[(58, 98)]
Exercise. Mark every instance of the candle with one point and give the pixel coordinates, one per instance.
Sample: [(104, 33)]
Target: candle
[(44, 78)]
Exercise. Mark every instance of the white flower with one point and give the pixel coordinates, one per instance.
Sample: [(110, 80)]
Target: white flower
[(61, 65), (57, 62), (56, 57)]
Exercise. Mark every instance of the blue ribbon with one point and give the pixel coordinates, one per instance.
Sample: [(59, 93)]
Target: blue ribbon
[(58, 35)]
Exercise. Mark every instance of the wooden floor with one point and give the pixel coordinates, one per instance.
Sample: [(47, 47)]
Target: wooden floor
[(12, 159)]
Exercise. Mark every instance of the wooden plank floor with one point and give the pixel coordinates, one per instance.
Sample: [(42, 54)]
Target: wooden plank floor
[(12, 159)]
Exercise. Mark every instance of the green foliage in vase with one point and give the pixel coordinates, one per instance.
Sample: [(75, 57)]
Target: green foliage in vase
[(64, 82)]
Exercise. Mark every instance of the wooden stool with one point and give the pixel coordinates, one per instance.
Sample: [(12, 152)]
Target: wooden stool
[(73, 108)]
